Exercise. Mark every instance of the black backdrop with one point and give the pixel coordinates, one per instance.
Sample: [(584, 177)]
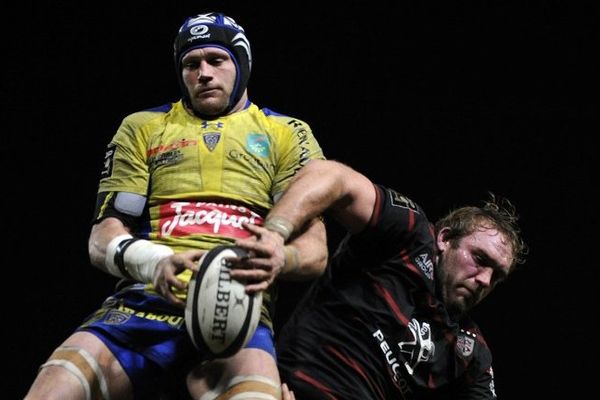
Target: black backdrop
[(442, 102)]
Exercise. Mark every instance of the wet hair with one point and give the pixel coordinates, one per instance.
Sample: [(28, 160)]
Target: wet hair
[(496, 212), (215, 30)]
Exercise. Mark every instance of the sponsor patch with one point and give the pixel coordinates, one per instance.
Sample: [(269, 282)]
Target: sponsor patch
[(420, 348), (109, 157), (167, 158), (398, 200), (258, 144), (181, 218), (425, 263)]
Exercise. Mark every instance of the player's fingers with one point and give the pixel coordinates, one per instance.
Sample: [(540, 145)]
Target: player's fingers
[(286, 393), (256, 287), (250, 275)]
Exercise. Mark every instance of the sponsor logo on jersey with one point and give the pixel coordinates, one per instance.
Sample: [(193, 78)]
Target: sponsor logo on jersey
[(123, 313), (418, 349), (426, 265), (393, 363), (180, 218), (179, 144), (167, 158), (258, 144), (398, 200), (302, 136), (109, 157), (492, 386), (254, 162), (167, 154)]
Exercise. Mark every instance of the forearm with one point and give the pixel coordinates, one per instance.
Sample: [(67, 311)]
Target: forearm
[(324, 185), (100, 236), (314, 189), (306, 254), (114, 250)]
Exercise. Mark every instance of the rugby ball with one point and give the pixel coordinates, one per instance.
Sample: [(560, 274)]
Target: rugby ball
[(220, 316)]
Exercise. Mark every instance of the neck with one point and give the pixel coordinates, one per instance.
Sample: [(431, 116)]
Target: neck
[(239, 106)]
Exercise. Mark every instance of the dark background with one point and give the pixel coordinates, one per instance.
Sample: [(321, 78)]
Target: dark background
[(444, 102)]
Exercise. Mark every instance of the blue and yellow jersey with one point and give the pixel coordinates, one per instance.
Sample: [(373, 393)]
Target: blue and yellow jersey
[(203, 178)]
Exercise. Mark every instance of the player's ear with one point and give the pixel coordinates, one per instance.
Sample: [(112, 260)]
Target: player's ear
[(442, 240)]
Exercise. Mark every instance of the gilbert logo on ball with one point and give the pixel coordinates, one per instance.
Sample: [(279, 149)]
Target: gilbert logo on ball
[(220, 316)]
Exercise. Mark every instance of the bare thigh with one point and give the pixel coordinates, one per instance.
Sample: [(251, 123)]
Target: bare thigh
[(216, 376), (56, 382)]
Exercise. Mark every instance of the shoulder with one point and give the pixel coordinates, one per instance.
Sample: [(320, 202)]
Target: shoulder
[(150, 114), (392, 201), (287, 122), (141, 124)]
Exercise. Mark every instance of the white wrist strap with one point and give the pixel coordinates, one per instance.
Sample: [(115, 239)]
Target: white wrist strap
[(128, 257)]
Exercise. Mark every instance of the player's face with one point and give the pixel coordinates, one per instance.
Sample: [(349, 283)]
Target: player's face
[(209, 76), (468, 272)]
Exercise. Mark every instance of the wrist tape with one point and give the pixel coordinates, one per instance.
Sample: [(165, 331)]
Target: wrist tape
[(281, 226), (128, 257)]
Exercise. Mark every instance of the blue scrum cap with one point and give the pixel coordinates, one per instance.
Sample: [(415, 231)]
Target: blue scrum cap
[(215, 30)]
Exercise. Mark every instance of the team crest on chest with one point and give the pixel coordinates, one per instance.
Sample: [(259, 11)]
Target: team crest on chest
[(211, 139), (465, 343)]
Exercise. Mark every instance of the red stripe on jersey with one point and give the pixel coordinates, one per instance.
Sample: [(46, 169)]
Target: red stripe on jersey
[(376, 207), (356, 367), (409, 264), (312, 381), (389, 299), (411, 220)]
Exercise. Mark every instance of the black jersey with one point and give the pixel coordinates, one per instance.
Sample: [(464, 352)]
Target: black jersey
[(372, 327)]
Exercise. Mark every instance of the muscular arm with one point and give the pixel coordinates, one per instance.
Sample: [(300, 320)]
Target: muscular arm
[(161, 266), (327, 185), (100, 236), (312, 254), (303, 258), (320, 185)]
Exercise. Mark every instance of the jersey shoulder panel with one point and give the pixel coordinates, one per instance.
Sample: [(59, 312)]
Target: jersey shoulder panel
[(295, 143), (133, 123), (285, 121)]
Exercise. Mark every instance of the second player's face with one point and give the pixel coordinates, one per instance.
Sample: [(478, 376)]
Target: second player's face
[(209, 76), (468, 271)]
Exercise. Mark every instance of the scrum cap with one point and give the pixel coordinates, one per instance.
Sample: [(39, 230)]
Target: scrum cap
[(215, 30)]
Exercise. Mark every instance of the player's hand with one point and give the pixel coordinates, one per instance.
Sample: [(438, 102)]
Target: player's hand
[(266, 257), (165, 277)]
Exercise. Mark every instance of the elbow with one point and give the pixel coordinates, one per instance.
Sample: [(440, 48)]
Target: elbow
[(94, 253), (320, 265)]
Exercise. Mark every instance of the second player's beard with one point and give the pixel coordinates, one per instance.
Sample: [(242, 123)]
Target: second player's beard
[(446, 290)]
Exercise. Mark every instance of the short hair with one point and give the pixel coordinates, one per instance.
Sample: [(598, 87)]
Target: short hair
[(496, 212)]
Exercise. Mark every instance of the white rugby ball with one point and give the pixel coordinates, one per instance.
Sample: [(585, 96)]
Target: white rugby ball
[(220, 316)]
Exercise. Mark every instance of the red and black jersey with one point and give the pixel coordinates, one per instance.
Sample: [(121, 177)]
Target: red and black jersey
[(372, 327)]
